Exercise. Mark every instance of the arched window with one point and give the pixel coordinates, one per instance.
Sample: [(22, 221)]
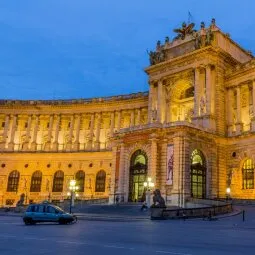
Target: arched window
[(80, 179), (138, 174), (100, 181), (248, 174), (13, 181), (58, 181), (36, 182), (198, 174)]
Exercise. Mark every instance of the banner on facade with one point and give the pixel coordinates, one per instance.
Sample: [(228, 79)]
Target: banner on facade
[(170, 164)]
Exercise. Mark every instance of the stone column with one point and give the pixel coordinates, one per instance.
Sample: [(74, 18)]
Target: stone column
[(196, 91), (121, 170), (91, 132), (208, 89), (48, 143), (160, 101), (176, 194), (153, 161), (112, 124), (113, 176), (34, 144), (76, 145), (5, 133), (70, 136), (239, 124), (138, 117), (26, 143), (98, 128), (150, 103), (118, 121), (57, 123), (132, 118), (253, 107), (13, 130), (230, 112)]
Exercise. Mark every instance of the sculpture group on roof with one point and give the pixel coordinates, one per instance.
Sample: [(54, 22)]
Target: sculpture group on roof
[(203, 37)]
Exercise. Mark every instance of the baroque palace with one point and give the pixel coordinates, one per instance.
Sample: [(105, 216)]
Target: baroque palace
[(193, 132)]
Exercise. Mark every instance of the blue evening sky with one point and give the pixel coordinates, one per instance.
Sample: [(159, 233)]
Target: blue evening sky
[(64, 49)]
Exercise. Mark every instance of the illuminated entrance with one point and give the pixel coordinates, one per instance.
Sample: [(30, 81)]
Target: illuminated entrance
[(198, 175), (138, 174)]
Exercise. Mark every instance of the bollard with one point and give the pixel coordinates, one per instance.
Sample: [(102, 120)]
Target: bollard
[(243, 215)]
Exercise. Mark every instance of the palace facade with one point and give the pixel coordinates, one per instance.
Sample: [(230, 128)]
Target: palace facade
[(193, 132)]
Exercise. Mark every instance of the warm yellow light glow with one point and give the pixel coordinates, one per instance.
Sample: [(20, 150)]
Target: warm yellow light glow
[(228, 190), (68, 194), (72, 183), (149, 179), (145, 184)]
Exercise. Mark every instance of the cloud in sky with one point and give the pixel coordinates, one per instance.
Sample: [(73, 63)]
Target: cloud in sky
[(83, 48)]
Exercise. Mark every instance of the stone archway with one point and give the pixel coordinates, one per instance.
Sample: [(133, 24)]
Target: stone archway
[(198, 174), (138, 174)]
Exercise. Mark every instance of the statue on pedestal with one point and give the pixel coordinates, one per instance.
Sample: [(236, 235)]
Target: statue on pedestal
[(158, 200)]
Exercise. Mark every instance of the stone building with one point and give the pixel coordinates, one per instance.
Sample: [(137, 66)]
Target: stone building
[(192, 132)]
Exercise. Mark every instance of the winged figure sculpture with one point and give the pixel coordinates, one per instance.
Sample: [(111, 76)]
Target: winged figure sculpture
[(184, 30)]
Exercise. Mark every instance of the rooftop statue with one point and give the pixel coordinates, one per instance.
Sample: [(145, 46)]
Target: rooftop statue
[(184, 30)]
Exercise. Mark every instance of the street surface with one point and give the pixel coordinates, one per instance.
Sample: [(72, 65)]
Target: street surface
[(178, 237)]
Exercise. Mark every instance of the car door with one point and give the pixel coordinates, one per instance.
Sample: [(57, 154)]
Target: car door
[(40, 214), (52, 213)]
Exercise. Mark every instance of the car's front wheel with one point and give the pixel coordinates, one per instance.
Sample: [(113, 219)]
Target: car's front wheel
[(62, 221)]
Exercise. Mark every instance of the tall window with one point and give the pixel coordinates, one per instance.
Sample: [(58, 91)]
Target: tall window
[(13, 181), (198, 174), (36, 182), (80, 179), (248, 174), (137, 177), (100, 181), (58, 181)]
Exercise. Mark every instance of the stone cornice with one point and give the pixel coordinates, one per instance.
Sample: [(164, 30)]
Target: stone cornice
[(189, 61), (77, 102), (13, 107)]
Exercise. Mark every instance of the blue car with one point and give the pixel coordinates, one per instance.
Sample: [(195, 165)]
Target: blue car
[(46, 212)]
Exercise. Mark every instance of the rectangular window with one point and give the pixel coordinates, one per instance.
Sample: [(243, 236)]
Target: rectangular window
[(248, 179)]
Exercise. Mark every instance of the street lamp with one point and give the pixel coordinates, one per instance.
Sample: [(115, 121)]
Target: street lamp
[(228, 190), (73, 188), (148, 185)]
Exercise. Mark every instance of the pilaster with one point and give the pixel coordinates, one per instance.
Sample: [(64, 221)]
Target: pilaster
[(57, 123), (34, 144), (76, 145)]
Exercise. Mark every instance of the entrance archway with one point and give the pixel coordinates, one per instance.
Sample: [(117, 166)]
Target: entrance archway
[(198, 174), (138, 174)]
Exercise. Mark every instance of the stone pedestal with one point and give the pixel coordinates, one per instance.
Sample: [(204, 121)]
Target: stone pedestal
[(25, 146), (68, 146), (55, 146), (33, 146), (239, 128), (253, 124), (157, 213), (47, 146), (2, 145), (76, 146), (11, 146)]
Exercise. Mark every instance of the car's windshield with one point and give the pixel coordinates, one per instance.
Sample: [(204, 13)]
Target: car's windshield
[(58, 208)]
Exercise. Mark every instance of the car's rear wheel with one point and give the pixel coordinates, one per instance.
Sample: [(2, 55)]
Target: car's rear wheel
[(29, 221)]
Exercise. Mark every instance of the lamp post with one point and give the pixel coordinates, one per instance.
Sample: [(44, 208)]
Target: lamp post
[(73, 188), (148, 185)]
